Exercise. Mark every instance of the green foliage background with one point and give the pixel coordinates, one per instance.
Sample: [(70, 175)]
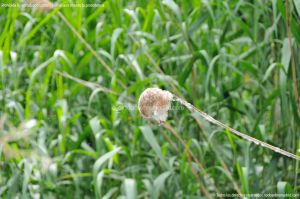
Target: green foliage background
[(71, 77)]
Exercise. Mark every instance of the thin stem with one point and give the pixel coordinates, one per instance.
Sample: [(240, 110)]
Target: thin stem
[(294, 79), (156, 66), (89, 47), (88, 84), (296, 173), (235, 185), (191, 157), (294, 75), (242, 135), (203, 189)]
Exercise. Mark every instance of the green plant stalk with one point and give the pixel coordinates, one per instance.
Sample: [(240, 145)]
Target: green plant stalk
[(89, 47), (296, 171), (235, 186), (86, 44), (293, 64), (294, 79), (191, 157)]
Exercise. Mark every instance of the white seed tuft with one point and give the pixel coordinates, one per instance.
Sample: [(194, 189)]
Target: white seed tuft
[(154, 103)]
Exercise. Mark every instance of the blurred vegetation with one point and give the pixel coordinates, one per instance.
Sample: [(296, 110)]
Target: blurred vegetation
[(71, 77)]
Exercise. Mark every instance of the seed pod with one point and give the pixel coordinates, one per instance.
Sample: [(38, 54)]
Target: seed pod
[(154, 103)]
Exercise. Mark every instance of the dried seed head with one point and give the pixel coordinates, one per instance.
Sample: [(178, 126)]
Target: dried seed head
[(154, 103)]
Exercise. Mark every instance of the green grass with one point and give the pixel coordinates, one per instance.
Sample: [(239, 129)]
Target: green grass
[(70, 80)]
